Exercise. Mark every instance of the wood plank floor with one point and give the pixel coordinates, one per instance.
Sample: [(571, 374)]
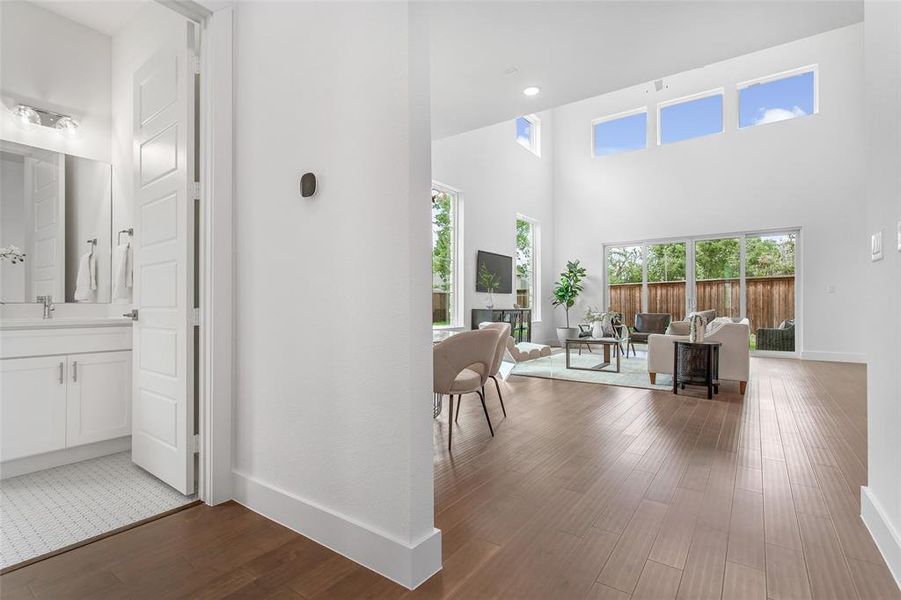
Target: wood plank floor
[(586, 491)]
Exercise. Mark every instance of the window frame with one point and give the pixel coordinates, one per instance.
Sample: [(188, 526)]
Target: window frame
[(814, 68), (534, 145), (614, 117), (721, 91), (456, 289), (534, 300)]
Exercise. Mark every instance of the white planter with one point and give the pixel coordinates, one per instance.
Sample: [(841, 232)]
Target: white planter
[(566, 333)]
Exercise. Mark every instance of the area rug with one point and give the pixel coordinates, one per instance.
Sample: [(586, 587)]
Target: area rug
[(633, 370)]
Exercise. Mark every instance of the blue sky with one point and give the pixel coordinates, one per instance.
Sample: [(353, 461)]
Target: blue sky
[(691, 119), (776, 100), (523, 131), (758, 104), (621, 135)]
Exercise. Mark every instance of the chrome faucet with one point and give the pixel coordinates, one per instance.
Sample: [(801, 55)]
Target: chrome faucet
[(47, 301)]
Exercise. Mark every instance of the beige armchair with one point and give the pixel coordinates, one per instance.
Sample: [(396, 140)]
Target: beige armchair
[(503, 331), (734, 353), (461, 365)]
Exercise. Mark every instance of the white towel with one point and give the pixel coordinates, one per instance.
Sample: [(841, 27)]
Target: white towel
[(86, 281), (122, 272)]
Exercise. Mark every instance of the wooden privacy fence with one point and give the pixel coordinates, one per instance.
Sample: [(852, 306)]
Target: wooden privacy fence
[(439, 307), (770, 300)]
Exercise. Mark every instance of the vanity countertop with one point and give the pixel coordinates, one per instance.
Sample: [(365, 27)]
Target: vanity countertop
[(63, 322)]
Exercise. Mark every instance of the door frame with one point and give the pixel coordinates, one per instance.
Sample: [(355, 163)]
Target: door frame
[(215, 272)]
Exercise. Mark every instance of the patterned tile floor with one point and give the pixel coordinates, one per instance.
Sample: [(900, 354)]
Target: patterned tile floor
[(44, 511)]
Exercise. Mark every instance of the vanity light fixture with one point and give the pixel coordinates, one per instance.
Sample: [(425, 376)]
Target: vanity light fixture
[(26, 115), (30, 116), (532, 90)]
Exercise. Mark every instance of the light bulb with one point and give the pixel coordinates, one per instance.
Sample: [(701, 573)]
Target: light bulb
[(26, 115), (531, 90), (67, 125)]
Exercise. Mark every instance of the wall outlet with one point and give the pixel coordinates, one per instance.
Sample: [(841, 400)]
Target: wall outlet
[(830, 289), (876, 246)]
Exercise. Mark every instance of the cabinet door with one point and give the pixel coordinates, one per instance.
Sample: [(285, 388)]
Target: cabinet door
[(32, 406), (98, 397)]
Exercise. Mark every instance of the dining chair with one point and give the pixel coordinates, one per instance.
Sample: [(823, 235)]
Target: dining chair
[(461, 365), (503, 332)]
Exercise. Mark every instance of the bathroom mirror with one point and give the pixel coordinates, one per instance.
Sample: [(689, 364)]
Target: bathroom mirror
[(57, 210)]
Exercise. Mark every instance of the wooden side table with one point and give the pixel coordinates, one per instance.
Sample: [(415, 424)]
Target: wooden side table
[(696, 363)]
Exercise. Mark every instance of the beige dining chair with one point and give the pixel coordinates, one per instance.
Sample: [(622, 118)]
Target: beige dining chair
[(503, 331), (461, 365)]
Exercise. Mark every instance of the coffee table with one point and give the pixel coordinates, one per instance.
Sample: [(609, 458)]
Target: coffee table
[(607, 343)]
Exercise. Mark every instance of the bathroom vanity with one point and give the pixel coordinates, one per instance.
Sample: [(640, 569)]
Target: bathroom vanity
[(65, 390)]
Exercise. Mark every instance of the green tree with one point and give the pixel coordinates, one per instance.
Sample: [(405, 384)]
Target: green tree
[(717, 259), (523, 249), (769, 256), (666, 262), (624, 265), (442, 235)]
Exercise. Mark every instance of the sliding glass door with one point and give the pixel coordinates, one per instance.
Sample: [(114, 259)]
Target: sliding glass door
[(717, 280), (739, 276)]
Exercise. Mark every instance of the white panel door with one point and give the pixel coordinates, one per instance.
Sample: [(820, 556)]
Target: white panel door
[(163, 351), (32, 406), (45, 199), (98, 397)]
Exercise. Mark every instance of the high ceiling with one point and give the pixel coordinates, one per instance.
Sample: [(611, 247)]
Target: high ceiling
[(484, 53)]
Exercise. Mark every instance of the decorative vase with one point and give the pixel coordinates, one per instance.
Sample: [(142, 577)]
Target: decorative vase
[(597, 329), (696, 329), (489, 302)]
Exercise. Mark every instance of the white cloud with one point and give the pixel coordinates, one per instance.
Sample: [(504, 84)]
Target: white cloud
[(771, 115)]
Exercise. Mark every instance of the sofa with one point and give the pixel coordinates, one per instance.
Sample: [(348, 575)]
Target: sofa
[(735, 353)]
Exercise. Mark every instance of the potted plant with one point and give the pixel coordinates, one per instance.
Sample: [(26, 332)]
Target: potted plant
[(566, 290), (490, 281)]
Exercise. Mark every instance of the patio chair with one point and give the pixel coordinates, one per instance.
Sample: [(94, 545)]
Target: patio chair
[(780, 339)]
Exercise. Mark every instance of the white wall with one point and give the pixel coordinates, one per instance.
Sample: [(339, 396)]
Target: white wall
[(132, 46), (881, 499), (499, 179), (807, 172), (56, 64), (333, 409)]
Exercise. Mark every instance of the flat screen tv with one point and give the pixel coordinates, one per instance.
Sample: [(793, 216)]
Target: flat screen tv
[(499, 265)]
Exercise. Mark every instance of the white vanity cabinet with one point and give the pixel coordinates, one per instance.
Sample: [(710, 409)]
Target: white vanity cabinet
[(98, 397), (33, 406), (65, 393)]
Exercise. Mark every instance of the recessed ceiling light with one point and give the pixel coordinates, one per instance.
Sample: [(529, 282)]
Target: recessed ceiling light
[(531, 90)]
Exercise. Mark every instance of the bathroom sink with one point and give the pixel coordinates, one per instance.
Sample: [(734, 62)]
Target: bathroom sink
[(39, 323)]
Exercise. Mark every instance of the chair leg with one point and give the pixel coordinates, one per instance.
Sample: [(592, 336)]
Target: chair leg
[(498, 386), (459, 402), (485, 408), (450, 426)]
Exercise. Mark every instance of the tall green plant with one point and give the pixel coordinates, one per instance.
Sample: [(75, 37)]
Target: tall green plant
[(569, 287)]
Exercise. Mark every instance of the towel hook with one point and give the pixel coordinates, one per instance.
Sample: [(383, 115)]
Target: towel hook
[(130, 231)]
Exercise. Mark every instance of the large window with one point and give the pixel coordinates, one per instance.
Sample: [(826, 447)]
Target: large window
[(690, 118), (620, 133), (446, 301), (748, 275), (777, 98), (527, 261), (528, 133)]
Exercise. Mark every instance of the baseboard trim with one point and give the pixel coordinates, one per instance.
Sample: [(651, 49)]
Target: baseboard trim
[(887, 538), (66, 456), (845, 357), (407, 564)]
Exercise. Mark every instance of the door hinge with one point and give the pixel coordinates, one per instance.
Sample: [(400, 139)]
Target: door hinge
[(196, 64), (196, 443), (195, 317), (195, 190)]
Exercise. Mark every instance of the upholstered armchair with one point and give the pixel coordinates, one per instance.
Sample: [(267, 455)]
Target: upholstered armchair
[(647, 324), (780, 338), (461, 365)]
